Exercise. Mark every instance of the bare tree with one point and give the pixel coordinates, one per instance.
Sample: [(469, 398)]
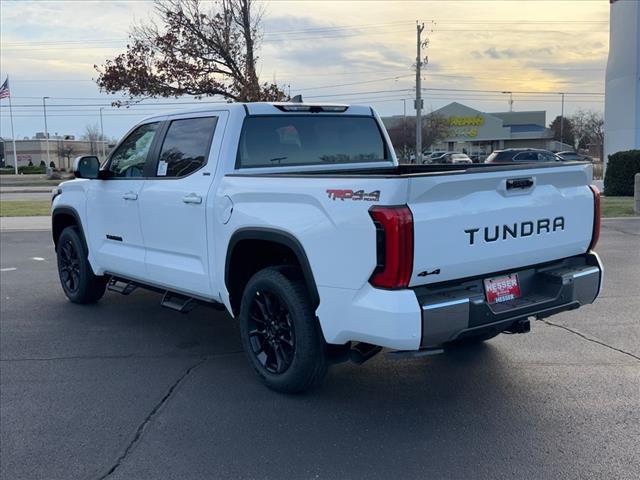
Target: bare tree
[(65, 151), (197, 48), (564, 134), (588, 127), (92, 134), (403, 135)]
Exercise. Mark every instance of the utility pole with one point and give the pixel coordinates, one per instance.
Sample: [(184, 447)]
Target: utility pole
[(102, 135), (46, 131), (418, 105)]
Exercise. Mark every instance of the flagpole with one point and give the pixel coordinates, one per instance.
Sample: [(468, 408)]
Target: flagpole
[(13, 136)]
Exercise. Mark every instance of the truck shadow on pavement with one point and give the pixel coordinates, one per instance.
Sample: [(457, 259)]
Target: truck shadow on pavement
[(475, 412), (437, 414)]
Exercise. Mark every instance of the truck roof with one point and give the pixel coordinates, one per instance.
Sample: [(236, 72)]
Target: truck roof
[(272, 108)]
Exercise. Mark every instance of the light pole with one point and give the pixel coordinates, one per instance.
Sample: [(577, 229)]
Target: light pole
[(46, 130), (102, 134), (510, 100), (562, 119), (418, 105)]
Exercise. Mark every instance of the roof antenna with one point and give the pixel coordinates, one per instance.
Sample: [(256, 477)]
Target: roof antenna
[(296, 99)]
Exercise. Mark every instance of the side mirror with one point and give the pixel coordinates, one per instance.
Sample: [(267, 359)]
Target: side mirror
[(86, 166)]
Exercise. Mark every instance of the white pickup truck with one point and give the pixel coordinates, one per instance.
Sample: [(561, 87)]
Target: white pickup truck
[(298, 219)]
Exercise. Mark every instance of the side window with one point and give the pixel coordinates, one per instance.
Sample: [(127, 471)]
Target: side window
[(129, 159), (526, 157), (546, 157), (186, 146)]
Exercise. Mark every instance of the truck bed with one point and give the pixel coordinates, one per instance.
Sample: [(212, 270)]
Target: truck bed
[(410, 170)]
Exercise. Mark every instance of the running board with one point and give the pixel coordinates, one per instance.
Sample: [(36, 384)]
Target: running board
[(124, 287), (179, 303)]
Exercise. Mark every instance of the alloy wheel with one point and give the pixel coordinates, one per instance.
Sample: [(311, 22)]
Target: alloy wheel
[(69, 266), (271, 333)]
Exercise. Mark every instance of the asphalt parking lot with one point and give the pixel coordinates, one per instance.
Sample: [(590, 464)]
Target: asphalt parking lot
[(129, 390)]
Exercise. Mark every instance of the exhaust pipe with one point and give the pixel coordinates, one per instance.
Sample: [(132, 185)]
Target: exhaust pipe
[(361, 352)]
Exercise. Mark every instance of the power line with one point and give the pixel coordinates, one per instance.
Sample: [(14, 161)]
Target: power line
[(353, 83)]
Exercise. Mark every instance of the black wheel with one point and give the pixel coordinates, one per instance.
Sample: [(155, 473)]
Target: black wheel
[(79, 283), (280, 332)]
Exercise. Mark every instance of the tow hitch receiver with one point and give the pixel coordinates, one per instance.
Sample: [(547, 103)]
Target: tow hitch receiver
[(521, 326)]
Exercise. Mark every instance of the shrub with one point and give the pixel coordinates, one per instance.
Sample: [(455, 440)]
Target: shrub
[(621, 168), (31, 170)]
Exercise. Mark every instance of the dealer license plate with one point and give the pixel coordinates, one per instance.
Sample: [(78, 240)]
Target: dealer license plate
[(502, 289)]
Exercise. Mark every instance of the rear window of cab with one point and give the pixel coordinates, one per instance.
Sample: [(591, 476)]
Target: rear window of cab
[(297, 140)]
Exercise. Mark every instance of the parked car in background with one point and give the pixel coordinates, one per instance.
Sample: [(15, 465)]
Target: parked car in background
[(434, 157), (456, 158), (522, 155), (574, 156), (447, 157)]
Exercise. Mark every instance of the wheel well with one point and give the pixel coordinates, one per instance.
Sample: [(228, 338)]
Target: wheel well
[(248, 256), (60, 222)]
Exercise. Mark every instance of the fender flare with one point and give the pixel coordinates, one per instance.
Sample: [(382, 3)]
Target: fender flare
[(68, 211), (276, 236)]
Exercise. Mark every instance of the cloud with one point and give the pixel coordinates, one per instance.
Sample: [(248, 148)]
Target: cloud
[(495, 53), (473, 45)]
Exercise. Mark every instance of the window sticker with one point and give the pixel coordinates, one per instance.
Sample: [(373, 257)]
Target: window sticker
[(162, 168)]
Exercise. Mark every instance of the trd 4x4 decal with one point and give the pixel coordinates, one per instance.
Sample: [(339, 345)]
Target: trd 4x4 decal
[(335, 194)]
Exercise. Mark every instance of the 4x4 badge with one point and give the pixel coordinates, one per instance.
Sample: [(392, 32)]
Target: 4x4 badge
[(336, 194)]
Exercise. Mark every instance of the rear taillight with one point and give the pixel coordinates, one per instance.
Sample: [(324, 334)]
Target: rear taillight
[(394, 242), (595, 235)]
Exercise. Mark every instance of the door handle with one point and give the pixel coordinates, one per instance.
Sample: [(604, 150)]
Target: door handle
[(519, 183), (130, 196), (192, 198)]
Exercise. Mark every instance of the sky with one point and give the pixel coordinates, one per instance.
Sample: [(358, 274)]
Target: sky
[(330, 51)]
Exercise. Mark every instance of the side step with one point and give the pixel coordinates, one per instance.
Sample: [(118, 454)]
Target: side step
[(179, 303), (123, 287)]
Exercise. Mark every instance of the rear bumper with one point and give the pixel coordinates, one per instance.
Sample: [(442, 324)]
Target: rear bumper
[(456, 310)]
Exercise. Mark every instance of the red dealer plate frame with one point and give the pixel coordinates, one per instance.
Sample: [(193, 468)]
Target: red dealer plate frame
[(502, 288)]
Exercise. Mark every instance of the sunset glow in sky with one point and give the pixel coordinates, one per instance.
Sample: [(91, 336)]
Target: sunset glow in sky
[(343, 51)]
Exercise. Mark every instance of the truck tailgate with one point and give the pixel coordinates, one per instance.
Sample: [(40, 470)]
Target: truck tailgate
[(472, 224)]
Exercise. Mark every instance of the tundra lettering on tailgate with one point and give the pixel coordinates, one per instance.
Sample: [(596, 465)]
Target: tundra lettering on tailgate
[(522, 229), (341, 194)]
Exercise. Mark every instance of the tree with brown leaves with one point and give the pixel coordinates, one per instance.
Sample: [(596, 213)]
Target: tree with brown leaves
[(195, 48)]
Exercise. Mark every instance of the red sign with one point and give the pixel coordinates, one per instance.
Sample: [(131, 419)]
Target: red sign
[(502, 289)]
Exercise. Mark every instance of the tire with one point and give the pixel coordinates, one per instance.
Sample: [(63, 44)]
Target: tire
[(280, 333), (78, 282)]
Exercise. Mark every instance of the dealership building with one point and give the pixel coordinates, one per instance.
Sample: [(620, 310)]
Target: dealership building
[(480, 133), (61, 150)]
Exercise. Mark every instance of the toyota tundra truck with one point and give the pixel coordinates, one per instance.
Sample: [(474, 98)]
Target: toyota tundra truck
[(298, 220)]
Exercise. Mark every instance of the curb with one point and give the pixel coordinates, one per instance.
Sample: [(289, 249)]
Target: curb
[(26, 190)]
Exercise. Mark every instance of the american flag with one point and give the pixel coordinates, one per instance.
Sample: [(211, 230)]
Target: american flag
[(4, 89)]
